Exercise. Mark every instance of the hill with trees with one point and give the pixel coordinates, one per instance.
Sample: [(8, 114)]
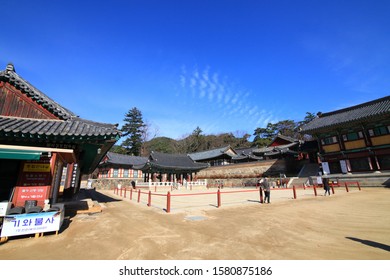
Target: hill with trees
[(136, 131)]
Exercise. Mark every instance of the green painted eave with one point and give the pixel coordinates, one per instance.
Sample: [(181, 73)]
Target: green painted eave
[(19, 155)]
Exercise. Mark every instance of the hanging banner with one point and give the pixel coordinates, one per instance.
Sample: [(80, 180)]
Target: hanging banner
[(343, 165), (325, 168), (22, 224)]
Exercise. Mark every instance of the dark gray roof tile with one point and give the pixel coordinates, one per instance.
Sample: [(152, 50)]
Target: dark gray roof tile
[(57, 127), (359, 113), (120, 159), (165, 162), (209, 154), (9, 75)]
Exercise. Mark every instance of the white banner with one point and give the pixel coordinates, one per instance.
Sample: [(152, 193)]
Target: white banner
[(343, 165), (31, 223), (325, 168)]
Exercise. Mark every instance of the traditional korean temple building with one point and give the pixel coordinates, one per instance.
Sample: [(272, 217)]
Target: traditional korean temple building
[(281, 147), (39, 138), (116, 165), (354, 139), (170, 167), (246, 155), (215, 157)]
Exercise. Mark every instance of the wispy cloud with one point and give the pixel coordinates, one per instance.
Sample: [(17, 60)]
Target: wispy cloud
[(225, 103)]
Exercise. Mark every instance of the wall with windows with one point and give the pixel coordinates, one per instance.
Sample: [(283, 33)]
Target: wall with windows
[(119, 172), (363, 149)]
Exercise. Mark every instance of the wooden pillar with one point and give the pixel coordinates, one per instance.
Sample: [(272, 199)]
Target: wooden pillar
[(56, 178)]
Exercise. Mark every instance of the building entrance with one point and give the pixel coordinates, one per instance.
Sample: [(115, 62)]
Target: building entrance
[(9, 170)]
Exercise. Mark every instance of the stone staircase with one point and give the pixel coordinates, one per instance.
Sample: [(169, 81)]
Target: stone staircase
[(304, 177), (309, 172)]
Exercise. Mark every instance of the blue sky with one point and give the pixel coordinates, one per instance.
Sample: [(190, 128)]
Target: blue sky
[(225, 66)]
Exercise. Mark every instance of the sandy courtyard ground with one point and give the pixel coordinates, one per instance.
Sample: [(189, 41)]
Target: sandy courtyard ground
[(354, 225)]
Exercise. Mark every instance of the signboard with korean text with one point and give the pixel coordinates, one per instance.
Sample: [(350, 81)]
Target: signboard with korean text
[(35, 173), (14, 225), (23, 193), (75, 175), (36, 167)]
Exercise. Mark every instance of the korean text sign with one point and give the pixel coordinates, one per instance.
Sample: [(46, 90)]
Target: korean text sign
[(31, 223)]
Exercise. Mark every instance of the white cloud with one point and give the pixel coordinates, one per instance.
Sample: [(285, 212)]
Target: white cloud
[(221, 103), (182, 81), (193, 83)]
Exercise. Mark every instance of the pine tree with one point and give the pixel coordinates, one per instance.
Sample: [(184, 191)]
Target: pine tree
[(134, 130)]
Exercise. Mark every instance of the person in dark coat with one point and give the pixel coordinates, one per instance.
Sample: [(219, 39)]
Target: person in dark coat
[(267, 189), (325, 181)]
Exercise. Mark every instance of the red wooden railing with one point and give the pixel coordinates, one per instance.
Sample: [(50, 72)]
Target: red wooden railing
[(122, 192)]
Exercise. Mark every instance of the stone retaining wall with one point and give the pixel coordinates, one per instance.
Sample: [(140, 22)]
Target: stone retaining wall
[(242, 173), (230, 175), (110, 183)]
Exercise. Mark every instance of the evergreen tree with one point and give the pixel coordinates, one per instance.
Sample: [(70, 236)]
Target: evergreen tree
[(195, 140), (134, 131), (264, 136)]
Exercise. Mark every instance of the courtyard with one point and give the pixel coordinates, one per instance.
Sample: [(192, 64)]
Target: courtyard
[(353, 226)]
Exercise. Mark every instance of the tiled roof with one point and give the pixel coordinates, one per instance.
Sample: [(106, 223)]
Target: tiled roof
[(209, 154), (286, 138), (175, 160), (171, 162), (266, 150), (68, 124), (46, 128), (9, 75), (280, 152), (246, 157), (244, 151), (372, 110), (121, 159)]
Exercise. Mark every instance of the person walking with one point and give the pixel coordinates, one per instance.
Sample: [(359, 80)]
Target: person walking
[(325, 181), (267, 189)]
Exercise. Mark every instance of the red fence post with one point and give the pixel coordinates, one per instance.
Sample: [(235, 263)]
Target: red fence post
[(294, 192), (315, 190), (331, 185), (139, 195), (219, 198), (168, 202), (131, 194), (124, 193), (346, 187), (150, 199), (261, 195), (358, 185)]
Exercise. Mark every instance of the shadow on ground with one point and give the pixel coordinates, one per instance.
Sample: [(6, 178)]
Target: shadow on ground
[(79, 201), (371, 243), (94, 195)]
